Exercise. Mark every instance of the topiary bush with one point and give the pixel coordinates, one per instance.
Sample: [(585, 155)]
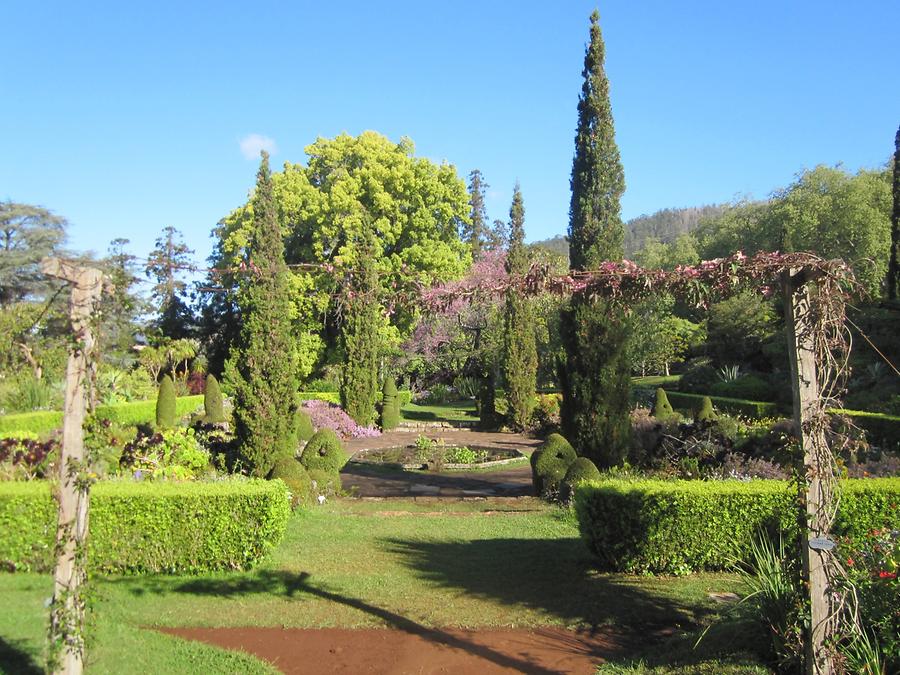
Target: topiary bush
[(303, 425), (165, 404), (705, 412), (662, 409), (579, 471), (213, 405), (324, 452), (390, 405), (555, 455), (297, 479), (325, 483)]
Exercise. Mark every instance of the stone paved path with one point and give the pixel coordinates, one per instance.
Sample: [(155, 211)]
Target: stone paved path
[(373, 481)]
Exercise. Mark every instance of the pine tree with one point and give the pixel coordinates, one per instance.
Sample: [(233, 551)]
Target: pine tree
[(520, 347), (361, 328), (894, 266), (263, 365), (595, 376), (168, 258), (477, 231)]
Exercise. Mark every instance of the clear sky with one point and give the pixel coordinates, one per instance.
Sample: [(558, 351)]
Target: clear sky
[(126, 117)]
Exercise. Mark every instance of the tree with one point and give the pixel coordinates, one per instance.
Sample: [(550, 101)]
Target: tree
[(165, 265), (520, 348), (28, 234), (475, 232), (263, 366), (121, 307), (165, 404), (893, 281), (595, 378)]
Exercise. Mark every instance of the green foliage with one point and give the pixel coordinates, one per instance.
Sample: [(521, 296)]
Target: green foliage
[(263, 369), (390, 405), (748, 386), (324, 452), (169, 453), (143, 528), (662, 409), (405, 396), (740, 326), (213, 405), (579, 471), (165, 404), (550, 462), (326, 483), (663, 338), (520, 358), (30, 233), (881, 430), (675, 527), (699, 378), (293, 474), (168, 257), (755, 409), (705, 412), (303, 426)]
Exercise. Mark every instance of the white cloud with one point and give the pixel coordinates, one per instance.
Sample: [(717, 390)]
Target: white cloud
[(252, 144)]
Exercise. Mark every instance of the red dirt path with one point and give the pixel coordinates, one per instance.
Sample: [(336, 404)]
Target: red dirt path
[(545, 651)]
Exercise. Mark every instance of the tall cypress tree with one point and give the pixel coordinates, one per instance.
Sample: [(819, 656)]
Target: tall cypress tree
[(263, 365), (477, 231), (520, 347), (595, 376), (894, 266)]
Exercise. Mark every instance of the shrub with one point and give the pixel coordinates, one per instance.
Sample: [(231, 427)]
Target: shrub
[(303, 425), (674, 527), (882, 430), (324, 452), (296, 477), (169, 453), (555, 455), (390, 405), (750, 387), (325, 483), (705, 412), (212, 401), (326, 415), (662, 409), (579, 471), (698, 379), (466, 386), (405, 397), (165, 404), (757, 409), (141, 528), (26, 458)]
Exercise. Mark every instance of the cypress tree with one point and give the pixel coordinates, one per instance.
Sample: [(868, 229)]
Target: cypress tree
[(595, 376), (476, 231), (165, 404), (520, 347), (263, 366), (361, 336), (894, 266), (212, 401)]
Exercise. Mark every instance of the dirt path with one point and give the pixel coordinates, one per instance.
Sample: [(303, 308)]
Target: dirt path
[(546, 651)]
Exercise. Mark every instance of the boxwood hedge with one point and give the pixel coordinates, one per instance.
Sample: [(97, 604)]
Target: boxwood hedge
[(738, 406), (674, 527), (146, 527)]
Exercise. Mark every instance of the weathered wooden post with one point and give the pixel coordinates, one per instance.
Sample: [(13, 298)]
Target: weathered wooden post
[(816, 466), (67, 608)]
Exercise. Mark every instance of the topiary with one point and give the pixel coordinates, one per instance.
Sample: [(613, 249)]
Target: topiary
[(303, 425), (579, 471), (556, 455), (212, 401), (662, 409), (390, 405), (326, 483), (535, 479), (165, 404), (324, 452), (705, 413), (297, 479)]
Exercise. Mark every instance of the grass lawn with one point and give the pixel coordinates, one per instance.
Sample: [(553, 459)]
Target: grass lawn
[(392, 563), (655, 380), (455, 411)]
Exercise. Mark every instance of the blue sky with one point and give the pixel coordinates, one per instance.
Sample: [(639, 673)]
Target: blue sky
[(128, 117)]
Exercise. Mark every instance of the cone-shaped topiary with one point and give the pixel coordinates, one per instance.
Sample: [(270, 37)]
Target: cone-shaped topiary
[(303, 425), (324, 452), (296, 477), (165, 404), (662, 409), (582, 469), (556, 455), (326, 483), (212, 401), (706, 413), (390, 405)]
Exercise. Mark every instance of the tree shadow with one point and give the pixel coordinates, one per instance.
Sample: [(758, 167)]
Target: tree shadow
[(15, 660)]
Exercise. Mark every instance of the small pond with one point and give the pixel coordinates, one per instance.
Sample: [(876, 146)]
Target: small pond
[(437, 457)]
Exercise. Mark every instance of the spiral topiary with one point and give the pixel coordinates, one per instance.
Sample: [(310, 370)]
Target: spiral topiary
[(297, 479), (662, 409), (212, 401), (556, 455), (324, 452), (579, 471), (165, 404), (706, 412), (390, 405)]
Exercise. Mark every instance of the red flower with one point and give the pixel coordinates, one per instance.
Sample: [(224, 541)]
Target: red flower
[(849, 562), (887, 575)]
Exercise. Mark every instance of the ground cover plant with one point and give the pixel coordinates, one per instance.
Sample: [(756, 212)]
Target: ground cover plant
[(396, 564)]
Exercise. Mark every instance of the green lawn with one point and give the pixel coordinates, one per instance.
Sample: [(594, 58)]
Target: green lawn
[(455, 411), (355, 563)]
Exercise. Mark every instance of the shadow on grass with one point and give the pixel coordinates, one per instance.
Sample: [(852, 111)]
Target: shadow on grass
[(15, 660)]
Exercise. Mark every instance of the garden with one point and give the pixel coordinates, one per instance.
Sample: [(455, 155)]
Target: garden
[(383, 431)]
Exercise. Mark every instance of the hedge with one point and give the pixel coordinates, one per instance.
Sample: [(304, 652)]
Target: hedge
[(674, 527), (881, 429), (126, 414), (330, 396), (150, 527), (690, 402)]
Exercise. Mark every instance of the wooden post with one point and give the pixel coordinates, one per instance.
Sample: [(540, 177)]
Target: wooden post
[(801, 350), (67, 609)]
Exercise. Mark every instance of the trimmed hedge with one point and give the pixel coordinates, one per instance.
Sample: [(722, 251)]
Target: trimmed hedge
[(330, 396), (150, 527), (881, 429), (738, 406), (674, 527)]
